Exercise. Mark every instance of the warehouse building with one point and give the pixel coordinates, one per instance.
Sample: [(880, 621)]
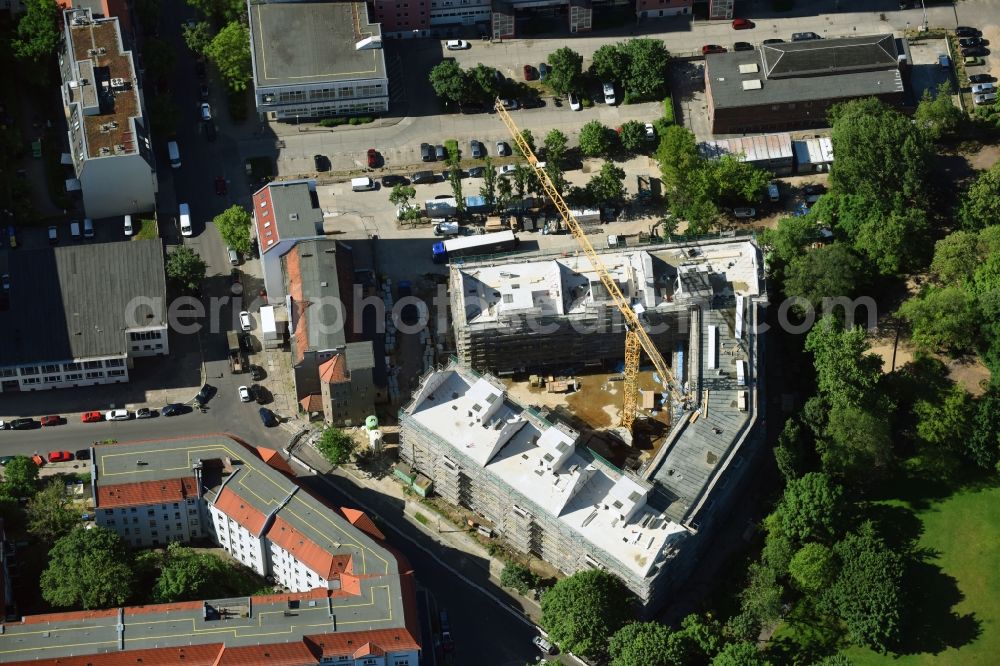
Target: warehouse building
[(541, 489), (770, 152), (792, 85)]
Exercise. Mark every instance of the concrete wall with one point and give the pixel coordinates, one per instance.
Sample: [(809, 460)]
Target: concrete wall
[(117, 185)]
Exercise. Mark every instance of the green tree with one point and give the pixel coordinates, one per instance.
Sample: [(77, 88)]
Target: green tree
[(760, 600), (555, 158), (488, 190), (220, 10), (197, 36), (449, 82), (705, 634), (402, 195), (484, 84), (50, 513), (829, 271), (947, 420), (937, 114), (230, 51), (234, 227), (522, 176), (581, 612), (956, 257), (983, 445), (743, 653), (505, 193), (894, 238), (455, 180), (777, 552), (164, 116), (595, 139), (867, 594), (336, 445), (88, 568), (185, 574), (519, 577), (37, 31), (881, 153), (609, 63), (20, 478), (159, 58), (735, 182), (633, 136), (565, 67), (942, 318), (687, 186), (857, 444), (810, 509), (184, 269), (789, 452), (788, 241), (649, 644), (813, 568), (529, 139), (846, 374), (646, 76), (608, 184), (980, 205)]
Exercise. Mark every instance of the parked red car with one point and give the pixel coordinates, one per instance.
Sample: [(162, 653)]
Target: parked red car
[(51, 420), (372, 158), (742, 24), (91, 417), (529, 73), (220, 186), (712, 48), (37, 459), (60, 456)]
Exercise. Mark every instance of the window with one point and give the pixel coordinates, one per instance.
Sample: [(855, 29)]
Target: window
[(73, 376), (30, 380), (50, 368), (109, 512), (52, 379), (92, 365), (30, 370), (116, 373), (150, 512), (114, 362), (70, 366), (95, 375)]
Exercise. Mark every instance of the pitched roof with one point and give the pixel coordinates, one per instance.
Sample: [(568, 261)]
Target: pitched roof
[(319, 279), (829, 56), (361, 520), (146, 492), (233, 506), (312, 403), (274, 459), (333, 371), (273, 654), (307, 551)]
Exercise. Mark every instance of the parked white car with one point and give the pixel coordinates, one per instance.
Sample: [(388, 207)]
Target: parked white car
[(574, 102), (985, 98), (246, 323), (457, 45), (244, 394), (117, 415), (609, 94), (650, 132), (206, 111), (978, 88), (744, 212)]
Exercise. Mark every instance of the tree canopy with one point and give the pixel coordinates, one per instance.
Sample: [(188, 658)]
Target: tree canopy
[(336, 445), (646, 76), (609, 63), (980, 205), (186, 574), (230, 51), (88, 568), (846, 373), (20, 478), (813, 567), (648, 644), (185, 269), (37, 31), (197, 36), (942, 318), (829, 271), (595, 139), (234, 227), (937, 114), (565, 67), (633, 136), (608, 184), (810, 509), (449, 82), (159, 58), (519, 577), (582, 611), (50, 513)]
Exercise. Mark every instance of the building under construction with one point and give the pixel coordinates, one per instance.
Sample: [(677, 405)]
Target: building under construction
[(514, 316), (548, 495)]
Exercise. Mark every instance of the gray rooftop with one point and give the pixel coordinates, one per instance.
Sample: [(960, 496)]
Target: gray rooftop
[(70, 302), (324, 269), (304, 43), (804, 71), (296, 210)]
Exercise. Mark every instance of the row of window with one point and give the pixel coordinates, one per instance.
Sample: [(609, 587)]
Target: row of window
[(136, 336), (54, 368)]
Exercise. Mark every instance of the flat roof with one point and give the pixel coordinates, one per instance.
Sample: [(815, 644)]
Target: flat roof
[(286, 210), (304, 43), (71, 302), (104, 75), (540, 461), (781, 74), (756, 148)]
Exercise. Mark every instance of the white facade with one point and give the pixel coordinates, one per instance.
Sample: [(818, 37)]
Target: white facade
[(315, 100), (154, 525), (236, 540), (293, 573)]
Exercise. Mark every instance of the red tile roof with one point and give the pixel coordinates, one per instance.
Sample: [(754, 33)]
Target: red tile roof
[(368, 650), (262, 213), (191, 655), (345, 644), (297, 314), (274, 459), (312, 403), (334, 371), (274, 654), (307, 551), (146, 492), (239, 510), (361, 520)]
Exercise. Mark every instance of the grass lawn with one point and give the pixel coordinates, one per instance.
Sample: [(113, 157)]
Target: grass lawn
[(957, 587), (147, 230)]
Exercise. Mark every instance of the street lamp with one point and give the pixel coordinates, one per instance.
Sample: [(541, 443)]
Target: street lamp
[(923, 6)]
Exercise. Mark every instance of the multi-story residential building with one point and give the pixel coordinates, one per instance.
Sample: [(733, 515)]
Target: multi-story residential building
[(425, 18), (79, 315), (314, 59), (108, 132), (352, 596), (538, 487), (284, 213), (792, 85)]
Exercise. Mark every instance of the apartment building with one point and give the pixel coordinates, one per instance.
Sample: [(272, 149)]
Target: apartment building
[(351, 597), (540, 488), (79, 315), (315, 59), (502, 309), (109, 139)]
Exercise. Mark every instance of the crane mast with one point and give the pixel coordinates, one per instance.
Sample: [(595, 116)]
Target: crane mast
[(636, 337)]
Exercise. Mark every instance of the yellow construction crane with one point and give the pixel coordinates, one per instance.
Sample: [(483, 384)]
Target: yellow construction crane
[(636, 338)]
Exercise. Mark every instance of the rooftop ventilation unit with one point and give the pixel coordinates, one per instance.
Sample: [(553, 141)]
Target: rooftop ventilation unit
[(753, 84)]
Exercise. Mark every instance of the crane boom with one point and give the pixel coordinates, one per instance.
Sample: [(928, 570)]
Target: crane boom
[(635, 336)]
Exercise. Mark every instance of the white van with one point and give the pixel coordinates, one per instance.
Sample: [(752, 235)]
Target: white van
[(364, 184), (175, 154), (74, 230), (88, 228), (129, 230), (772, 191), (234, 258), (185, 215)]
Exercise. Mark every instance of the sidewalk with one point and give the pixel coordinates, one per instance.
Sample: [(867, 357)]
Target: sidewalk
[(451, 536)]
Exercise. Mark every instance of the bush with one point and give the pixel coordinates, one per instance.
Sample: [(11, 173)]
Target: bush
[(519, 577), (361, 120), (332, 122), (587, 102), (668, 110), (336, 446)]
